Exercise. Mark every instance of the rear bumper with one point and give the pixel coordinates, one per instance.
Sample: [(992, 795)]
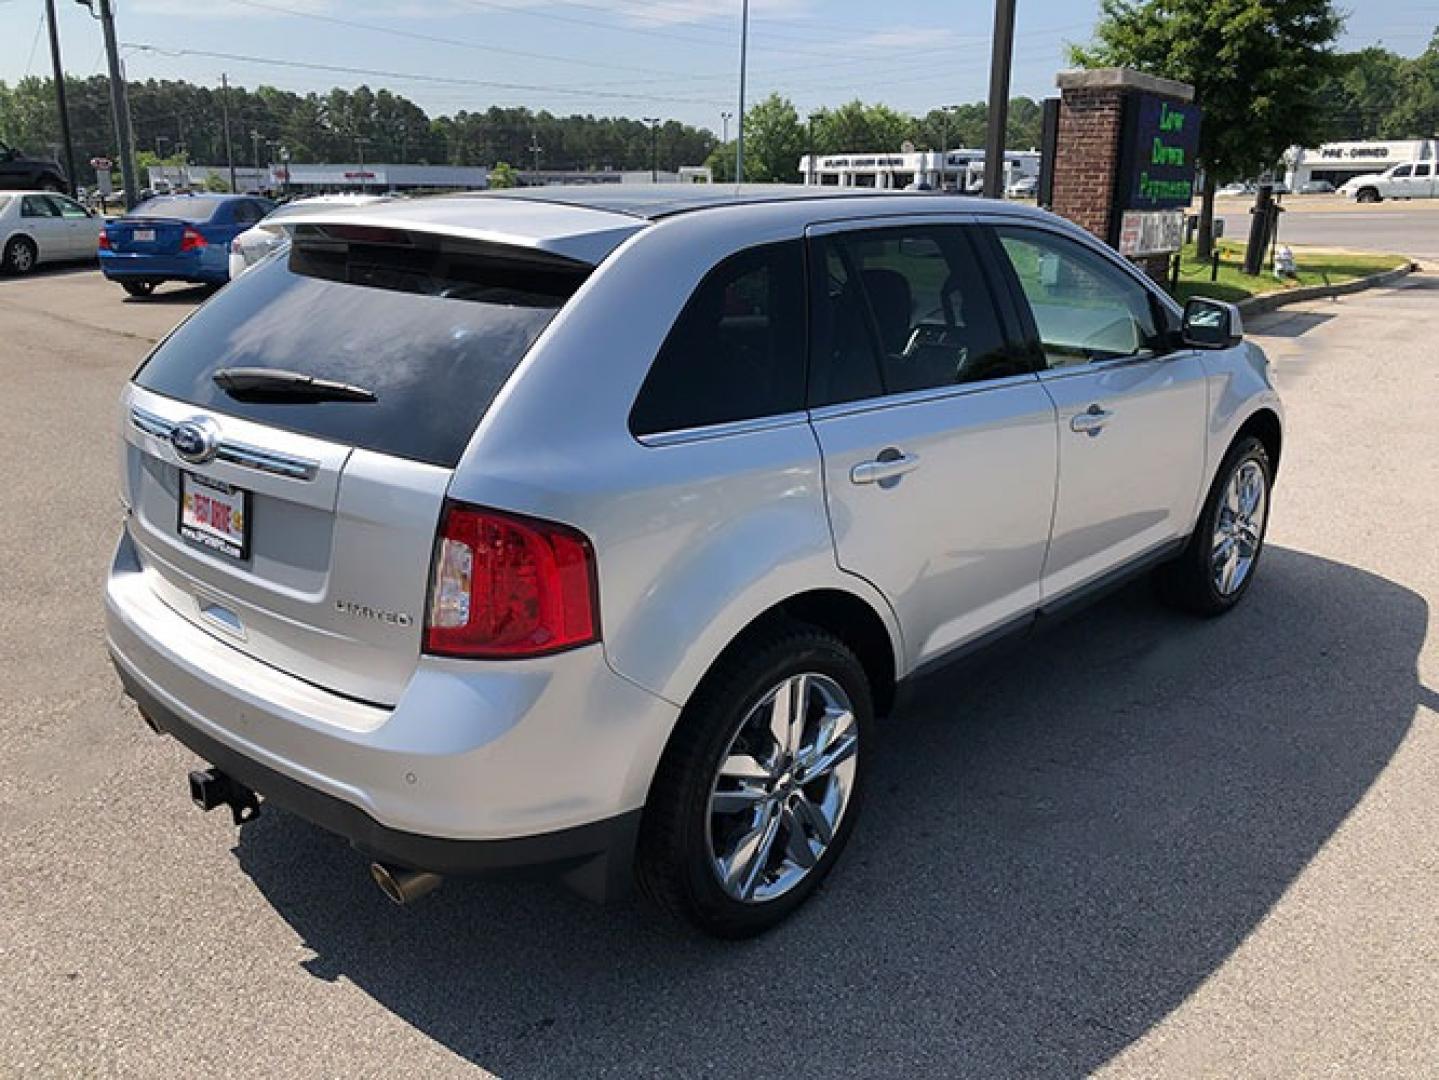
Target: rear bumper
[(555, 853), (197, 266), (478, 768)]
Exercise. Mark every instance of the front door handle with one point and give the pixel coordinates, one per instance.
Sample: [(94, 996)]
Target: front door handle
[(889, 465), (1090, 422)]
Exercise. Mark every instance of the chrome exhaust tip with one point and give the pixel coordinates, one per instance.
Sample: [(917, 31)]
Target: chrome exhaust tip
[(404, 886)]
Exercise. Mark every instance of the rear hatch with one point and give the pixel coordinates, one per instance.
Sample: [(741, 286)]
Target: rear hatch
[(296, 519)]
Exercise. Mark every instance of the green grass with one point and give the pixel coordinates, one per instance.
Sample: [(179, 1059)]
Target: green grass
[(1315, 266)]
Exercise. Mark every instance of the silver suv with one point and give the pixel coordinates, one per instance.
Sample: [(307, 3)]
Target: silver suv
[(592, 531)]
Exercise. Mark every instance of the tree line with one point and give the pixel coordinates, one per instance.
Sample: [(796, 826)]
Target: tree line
[(175, 119)]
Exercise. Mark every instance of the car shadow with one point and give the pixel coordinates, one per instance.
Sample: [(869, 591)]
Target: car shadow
[(1293, 325), (173, 294), (1060, 845)]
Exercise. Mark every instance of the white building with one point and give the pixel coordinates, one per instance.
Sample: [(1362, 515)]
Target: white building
[(962, 168), (1341, 161)]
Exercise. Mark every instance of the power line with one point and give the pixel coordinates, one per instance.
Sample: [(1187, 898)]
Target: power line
[(414, 77), (34, 41), (456, 42)]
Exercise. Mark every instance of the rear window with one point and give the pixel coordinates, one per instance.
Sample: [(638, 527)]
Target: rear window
[(180, 207), (433, 330)]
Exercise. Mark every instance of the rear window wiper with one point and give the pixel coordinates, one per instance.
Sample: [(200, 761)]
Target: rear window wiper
[(279, 385)]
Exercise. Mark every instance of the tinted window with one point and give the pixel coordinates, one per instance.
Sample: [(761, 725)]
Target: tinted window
[(737, 350), (1084, 308), (1402, 171), (904, 309), (1422, 170), (38, 206), (247, 213), (434, 335), (180, 207)]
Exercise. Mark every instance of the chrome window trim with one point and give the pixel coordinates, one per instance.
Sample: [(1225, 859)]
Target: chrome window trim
[(1091, 366), (918, 397), (244, 455), (720, 431)]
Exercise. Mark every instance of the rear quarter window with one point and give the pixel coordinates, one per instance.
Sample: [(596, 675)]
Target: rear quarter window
[(433, 333), (737, 350)]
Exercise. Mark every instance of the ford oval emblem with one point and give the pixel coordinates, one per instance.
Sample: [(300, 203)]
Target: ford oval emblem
[(196, 440)]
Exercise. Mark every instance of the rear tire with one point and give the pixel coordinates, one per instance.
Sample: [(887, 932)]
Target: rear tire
[(139, 289), (21, 255), (1218, 565), (739, 829)]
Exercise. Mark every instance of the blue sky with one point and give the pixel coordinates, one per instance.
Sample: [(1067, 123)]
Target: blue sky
[(671, 58)]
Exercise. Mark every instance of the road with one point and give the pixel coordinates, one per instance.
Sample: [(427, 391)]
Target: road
[(1139, 845), (1404, 228)]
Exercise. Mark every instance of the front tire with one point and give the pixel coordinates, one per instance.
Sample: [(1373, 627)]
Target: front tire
[(759, 789), (21, 255), (1367, 195), (1218, 564)]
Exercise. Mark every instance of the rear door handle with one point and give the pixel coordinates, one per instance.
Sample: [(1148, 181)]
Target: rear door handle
[(1090, 422), (889, 465)]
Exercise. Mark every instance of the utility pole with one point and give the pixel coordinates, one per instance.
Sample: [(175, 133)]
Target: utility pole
[(654, 123), (743, 56), (225, 112), (1000, 61), (60, 95), (119, 105), (724, 123), (255, 146), (535, 151)]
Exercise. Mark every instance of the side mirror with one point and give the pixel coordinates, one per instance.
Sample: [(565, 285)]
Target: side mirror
[(1211, 324)]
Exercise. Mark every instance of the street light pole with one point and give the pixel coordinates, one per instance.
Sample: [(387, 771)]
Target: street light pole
[(743, 56), (60, 95), (1000, 62), (810, 179), (654, 123), (724, 122)]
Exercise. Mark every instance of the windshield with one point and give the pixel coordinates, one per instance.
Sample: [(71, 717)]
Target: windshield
[(180, 207), (432, 333)]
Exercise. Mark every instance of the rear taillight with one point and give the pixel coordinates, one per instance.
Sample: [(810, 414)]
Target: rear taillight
[(505, 586), (191, 239), (104, 240)]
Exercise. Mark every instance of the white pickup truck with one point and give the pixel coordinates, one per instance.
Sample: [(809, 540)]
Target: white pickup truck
[(1412, 180)]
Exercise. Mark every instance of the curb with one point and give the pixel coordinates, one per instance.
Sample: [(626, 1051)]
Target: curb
[(1257, 305)]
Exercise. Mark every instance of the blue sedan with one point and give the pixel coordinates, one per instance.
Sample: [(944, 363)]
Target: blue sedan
[(177, 238)]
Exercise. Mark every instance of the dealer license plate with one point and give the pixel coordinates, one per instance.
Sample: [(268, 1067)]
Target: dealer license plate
[(144, 236), (215, 515)]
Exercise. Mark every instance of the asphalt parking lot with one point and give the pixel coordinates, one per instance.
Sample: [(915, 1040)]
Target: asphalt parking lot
[(1138, 844)]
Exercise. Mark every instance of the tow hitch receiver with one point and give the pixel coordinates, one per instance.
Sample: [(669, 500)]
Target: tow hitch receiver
[(212, 788)]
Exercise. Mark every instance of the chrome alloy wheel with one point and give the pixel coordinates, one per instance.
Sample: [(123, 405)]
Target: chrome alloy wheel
[(1238, 528), (782, 788), (22, 258)]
